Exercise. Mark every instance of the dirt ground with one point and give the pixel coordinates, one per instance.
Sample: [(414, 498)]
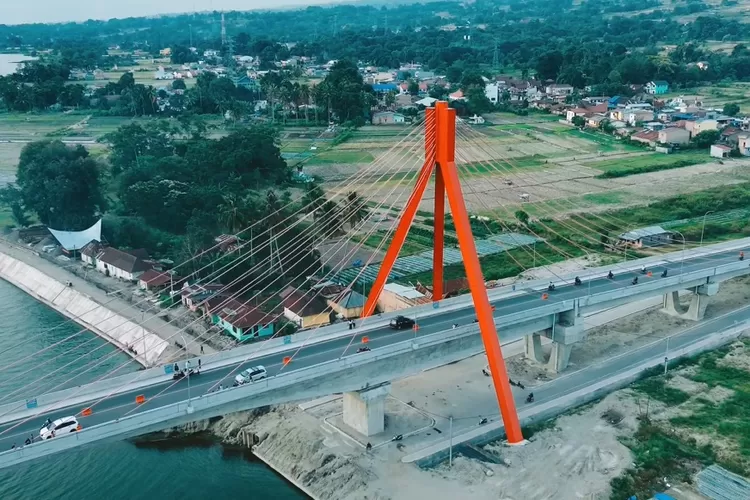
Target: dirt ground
[(575, 459)]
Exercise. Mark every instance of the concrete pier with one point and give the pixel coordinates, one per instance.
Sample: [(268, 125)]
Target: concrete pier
[(567, 329), (364, 411), (698, 302)]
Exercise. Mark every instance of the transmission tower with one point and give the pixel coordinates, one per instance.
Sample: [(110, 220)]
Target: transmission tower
[(496, 57), (223, 30)]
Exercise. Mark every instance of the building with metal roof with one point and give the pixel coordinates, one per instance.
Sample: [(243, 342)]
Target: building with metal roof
[(646, 237)]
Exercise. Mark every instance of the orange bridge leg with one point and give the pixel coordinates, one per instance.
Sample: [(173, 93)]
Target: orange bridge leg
[(440, 137)]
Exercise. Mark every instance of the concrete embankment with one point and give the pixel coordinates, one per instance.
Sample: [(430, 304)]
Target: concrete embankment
[(133, 339)]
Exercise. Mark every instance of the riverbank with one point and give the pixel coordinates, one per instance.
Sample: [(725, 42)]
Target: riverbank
[(131, 338)]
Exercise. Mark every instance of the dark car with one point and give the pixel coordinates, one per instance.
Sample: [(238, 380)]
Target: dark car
[(401, 323)]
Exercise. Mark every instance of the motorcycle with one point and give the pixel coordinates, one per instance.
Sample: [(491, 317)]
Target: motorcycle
[(551, 288), (643, 270), (635, 281), (610, 276), (664, 274), (530, 398), (363, 349), (577, 281)]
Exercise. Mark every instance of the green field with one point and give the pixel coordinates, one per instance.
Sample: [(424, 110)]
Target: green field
[(334, 156), (650, 162)]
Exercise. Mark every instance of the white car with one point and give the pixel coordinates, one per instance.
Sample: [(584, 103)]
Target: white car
[(252, 374), (60, 426)]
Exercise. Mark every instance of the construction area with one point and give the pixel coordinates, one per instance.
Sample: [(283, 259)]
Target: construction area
[(656, 435)]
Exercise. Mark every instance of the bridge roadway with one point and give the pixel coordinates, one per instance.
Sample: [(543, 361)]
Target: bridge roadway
[(166, 393)]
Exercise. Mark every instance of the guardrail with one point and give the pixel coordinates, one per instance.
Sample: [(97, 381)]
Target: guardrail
[(159, 374)]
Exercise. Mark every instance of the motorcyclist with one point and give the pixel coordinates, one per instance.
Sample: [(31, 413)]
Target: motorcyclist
[(551, 286), (577, 280), (530, 398), (643, 269), (610, 275), (635, 280), (742, 255), (664, 274)]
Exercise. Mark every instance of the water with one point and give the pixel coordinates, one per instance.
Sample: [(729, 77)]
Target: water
[(191, 468), (9, 63)]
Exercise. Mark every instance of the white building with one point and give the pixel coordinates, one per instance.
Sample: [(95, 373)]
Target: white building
[(118, 264), (492, 91)]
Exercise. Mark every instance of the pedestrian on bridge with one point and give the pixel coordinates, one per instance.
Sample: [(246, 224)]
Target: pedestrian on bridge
[(201, 348)]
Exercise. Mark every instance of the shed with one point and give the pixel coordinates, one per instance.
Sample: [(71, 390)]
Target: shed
[(650, 236), (348, 304), (155, 280), (720, 151)]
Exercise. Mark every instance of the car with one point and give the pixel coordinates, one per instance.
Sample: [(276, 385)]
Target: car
[(252, 374), (60, 426), (401, 323)]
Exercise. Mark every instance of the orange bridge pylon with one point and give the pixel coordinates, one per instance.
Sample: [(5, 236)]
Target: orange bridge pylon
[(440, 149)]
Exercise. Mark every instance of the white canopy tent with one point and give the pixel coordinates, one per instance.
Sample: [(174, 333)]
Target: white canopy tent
[(75, 240)]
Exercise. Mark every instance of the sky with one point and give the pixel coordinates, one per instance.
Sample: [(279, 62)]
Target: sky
[(48, 11)]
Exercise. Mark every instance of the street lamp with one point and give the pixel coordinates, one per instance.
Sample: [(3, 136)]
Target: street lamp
[(703, 228), (187, 374), (682, 259)]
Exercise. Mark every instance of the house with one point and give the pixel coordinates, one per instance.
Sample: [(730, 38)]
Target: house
[(426, 102), (559, 90), (243, 321), (649, 137), (395, 297), (457, 96), (384, 88), (635, 116), (156, 280), (90, 251), (492, 91), (348, 304), (305, 309), (646, 237), (227, 243), (595, 121), (731, 135), (743, 143), (720, 151), (193, 296), (451, 288), (674, 135), (695, 127), (246, 82), (388, 118), (118, 264), (657, 87), (572, 113)]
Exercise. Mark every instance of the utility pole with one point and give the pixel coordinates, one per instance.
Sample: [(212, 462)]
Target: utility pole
[(495, 58), (191, 34), (223, 30), (335, 24), (385, 30)]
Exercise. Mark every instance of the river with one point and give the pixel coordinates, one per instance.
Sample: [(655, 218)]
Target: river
[(195, 468), (9, 62)]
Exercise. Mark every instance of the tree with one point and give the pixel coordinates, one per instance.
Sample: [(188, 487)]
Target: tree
[(706, 138), (62, 185), (179, 84), (522, 217), (346, 91), (355, 210), (12, 197), (129, 143), (477, 100), (413, 87), (578, 121), (731, 109)]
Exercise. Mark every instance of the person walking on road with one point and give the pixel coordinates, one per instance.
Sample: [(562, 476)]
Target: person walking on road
[(201, 348)]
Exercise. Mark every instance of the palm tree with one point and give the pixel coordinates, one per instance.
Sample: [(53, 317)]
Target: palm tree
[(271, 83), (313, 199), (304, 94), (355, 209)]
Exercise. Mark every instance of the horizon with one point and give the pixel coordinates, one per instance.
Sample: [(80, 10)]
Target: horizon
[(75, 11)]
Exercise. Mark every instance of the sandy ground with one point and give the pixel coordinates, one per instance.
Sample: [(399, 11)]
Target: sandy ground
[(311, 445)]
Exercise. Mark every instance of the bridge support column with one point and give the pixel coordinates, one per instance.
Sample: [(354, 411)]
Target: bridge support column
[(698, 302), (532, 347), (364, 411)]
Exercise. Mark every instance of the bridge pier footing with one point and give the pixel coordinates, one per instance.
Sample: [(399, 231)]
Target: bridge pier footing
[(364, 411), (698, 302), (567, 329)]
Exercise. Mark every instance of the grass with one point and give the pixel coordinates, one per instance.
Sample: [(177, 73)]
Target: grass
[(647, 163), (333, 156), (660, 453)]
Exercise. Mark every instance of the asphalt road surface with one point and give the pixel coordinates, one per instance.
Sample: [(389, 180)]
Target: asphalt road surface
[(166, 393)]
